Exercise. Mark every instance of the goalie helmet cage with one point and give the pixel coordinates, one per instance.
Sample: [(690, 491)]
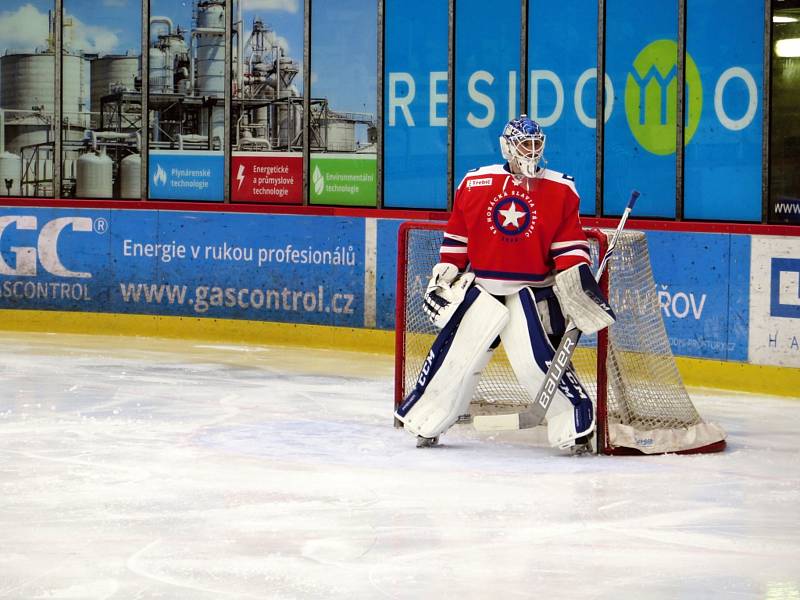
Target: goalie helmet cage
[(629, 370)]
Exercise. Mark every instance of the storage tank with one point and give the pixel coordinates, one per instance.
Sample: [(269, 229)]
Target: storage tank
[(129, 177), (161, 71), (340, 135), (110, 70), (210, 81), (26, 84), (94, 175)]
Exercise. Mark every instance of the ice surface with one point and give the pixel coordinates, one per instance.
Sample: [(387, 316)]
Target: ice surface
[(137, 468)]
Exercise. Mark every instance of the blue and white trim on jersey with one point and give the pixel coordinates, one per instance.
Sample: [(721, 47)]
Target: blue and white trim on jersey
[(453, 244), (484, 172), (509, 276), (561, 178), (578, 248)]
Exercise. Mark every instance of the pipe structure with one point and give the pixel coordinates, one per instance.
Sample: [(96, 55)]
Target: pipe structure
[(165, 20), (2, 130), (240, 47), (190, 137)]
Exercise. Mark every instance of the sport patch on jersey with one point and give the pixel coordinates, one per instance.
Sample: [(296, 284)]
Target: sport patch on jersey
[(479, 182), (511, 215)]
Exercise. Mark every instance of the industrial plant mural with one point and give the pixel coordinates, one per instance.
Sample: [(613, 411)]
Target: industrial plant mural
[(102, 104)]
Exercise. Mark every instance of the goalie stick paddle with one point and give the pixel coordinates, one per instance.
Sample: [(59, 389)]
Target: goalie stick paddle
[(535, 412)]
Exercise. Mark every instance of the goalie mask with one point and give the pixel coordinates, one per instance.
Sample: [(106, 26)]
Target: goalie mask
[(522, 145)]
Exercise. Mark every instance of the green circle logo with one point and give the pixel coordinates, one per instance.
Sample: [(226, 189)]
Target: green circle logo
[(651, 93)]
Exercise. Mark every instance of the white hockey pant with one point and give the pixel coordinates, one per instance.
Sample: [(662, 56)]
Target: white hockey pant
[(453, 366), (571, 412)]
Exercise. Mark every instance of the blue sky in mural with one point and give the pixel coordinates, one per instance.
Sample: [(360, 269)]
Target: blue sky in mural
[(344, 55)]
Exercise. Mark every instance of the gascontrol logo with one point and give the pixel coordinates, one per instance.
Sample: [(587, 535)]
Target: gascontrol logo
[(24, 262), (785, 288), (650, 97), (511, 215)]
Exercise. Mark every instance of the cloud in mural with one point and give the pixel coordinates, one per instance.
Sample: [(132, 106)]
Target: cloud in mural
[(291, 6), (89, 38), (27, 28), (23, 29)]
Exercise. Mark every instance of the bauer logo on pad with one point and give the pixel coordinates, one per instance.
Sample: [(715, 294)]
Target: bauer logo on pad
[(785, 288)]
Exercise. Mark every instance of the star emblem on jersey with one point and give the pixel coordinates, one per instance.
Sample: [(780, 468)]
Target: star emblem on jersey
[(511, 215)]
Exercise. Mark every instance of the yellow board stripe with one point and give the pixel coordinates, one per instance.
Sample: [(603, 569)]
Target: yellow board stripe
[(229, 330), (781, 381)]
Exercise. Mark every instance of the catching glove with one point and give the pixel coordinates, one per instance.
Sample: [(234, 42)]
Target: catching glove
[(445, 292)]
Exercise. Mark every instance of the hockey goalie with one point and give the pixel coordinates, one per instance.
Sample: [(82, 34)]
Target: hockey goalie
[(514, 268)]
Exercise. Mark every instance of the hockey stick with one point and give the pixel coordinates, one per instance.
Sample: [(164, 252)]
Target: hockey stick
[(535, 412)]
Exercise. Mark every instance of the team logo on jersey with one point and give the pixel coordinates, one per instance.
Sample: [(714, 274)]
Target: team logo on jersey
[(511, 215)]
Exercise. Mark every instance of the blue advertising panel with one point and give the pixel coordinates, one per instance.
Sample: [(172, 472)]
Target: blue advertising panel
[(415, 115), (641, 62), (386, 284), (725, 39), (179, 175), (487, 83), (703, 298), (306, 270), (562, 58)]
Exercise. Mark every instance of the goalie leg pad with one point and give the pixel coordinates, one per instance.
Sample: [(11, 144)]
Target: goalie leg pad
[(571, 412), (451, 371)]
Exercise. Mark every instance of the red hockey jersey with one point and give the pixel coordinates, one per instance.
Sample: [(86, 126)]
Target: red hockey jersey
[(512, 231)]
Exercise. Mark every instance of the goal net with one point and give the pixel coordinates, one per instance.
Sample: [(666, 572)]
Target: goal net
[(629, 370)]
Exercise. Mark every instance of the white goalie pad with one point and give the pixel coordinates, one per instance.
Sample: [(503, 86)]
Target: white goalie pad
[(451, 371), (571, 411)]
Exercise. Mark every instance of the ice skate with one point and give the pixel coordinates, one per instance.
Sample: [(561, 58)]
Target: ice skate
[(424, 442)]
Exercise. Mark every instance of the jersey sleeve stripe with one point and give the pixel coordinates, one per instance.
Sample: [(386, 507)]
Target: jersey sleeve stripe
[(566, 249), (569, 244), (578, 253), (453, 243), (453, 250), (455, 238)]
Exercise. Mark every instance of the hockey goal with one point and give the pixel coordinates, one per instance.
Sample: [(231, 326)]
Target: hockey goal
[(629, 370)]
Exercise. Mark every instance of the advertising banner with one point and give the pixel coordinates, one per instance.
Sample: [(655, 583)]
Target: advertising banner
[(775, 301), (785, 209), (282, 268), (563, 88), (415, 119), (640, 133), (723, 147), (486, 86), (193, 175), (703, 300), (270, 177), (344, 179)]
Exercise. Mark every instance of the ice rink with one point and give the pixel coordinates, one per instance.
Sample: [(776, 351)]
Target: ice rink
[(138, 468)]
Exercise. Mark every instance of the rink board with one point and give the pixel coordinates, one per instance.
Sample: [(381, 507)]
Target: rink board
[(724, 297)]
